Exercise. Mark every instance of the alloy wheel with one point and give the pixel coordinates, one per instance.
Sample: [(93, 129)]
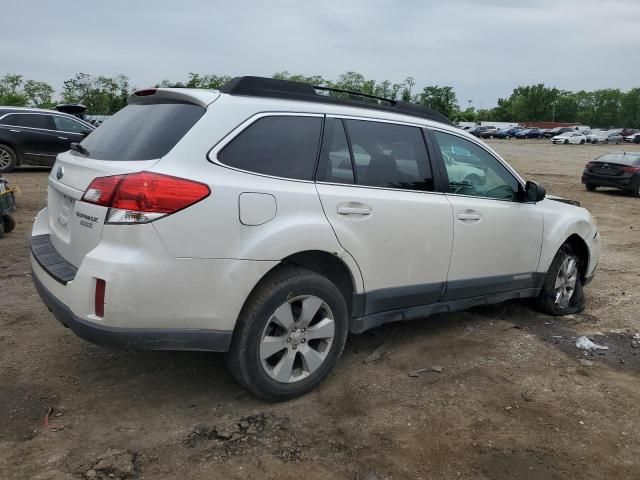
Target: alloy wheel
[(5, 159), (297, 339), (566, 282)]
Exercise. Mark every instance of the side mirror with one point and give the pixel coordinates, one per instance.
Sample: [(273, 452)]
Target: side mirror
[(85, 132), (533, 192)]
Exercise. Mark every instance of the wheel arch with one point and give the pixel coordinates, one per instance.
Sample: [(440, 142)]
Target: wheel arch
[(580, 248), (330, 265)]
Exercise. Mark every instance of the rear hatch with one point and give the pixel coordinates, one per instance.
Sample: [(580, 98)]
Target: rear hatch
[(133, 140)]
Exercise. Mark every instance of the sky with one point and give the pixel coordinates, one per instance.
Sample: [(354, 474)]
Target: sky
[(482, 48)]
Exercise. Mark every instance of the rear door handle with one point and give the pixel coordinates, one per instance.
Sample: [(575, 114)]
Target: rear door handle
[(15, 131), (469, 216), (354, 208), (63, 138)]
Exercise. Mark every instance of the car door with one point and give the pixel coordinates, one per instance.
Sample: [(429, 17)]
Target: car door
[(37, 137), (497, 238), (376, 186)]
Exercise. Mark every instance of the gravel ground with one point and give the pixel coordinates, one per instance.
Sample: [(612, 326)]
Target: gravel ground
[(514, 397)]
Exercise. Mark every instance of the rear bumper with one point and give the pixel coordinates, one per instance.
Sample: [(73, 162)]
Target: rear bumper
[(609, 181), (131, 338), (152, 300)]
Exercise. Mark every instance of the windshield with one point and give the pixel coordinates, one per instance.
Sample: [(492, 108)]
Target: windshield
[(142, 131)]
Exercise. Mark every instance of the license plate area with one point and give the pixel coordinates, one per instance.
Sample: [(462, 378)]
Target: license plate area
[(66, 207)]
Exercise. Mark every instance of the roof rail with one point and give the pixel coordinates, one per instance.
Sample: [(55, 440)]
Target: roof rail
[(289, 90)]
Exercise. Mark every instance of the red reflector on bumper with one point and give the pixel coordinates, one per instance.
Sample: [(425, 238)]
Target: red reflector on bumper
[(101, 286)]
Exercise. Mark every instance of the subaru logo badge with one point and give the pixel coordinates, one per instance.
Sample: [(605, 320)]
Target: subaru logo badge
[(59, 173)]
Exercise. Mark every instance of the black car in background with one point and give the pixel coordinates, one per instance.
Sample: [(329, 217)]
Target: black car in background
[(553, 132), (32, 136), (619, 170)]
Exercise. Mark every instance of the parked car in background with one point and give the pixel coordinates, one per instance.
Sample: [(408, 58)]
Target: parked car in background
[(618, 170), (529, 133), (511, 132), (489, 132), (633, 138), (605, 137), (626, 132), (504, 133), (35, 136), (477, 131), (570, 137), (307, 218), (553, 132)]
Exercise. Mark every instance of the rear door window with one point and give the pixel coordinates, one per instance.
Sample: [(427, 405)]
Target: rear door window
[(30, 120), (389, 155), (142, 131), (282, 146)]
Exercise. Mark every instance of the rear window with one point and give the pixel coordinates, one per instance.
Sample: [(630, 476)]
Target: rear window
[(282, 146), (142, 131), (624, 158)]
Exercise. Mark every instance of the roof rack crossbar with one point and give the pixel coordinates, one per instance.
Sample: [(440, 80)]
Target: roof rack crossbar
[(390, 101), (286, 89)]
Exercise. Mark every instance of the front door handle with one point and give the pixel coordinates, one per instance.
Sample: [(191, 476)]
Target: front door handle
[(354, 208), (63, 138), (469, 216), (15, 131)]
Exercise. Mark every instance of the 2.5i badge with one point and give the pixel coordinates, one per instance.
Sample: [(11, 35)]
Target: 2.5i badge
[(86, 220)]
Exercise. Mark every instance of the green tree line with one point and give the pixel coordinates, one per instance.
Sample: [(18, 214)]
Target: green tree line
[(600, 108)]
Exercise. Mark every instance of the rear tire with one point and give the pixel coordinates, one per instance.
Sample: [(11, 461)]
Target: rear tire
[(561, 292), (581, 142), (590, 187), (636, 191), (8, 159), (268, 375), (8, 223), (566, 142)]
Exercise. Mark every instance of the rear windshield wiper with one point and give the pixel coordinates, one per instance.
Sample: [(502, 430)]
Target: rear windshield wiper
[(76, 147)]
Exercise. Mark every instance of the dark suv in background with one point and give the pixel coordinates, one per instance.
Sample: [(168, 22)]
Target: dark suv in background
[(35, 136)]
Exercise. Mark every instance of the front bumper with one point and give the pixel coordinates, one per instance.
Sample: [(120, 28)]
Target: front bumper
[(133, 338)]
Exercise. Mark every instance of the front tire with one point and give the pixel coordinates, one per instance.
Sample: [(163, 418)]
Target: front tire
[(581, 142), (562, 292), (289, 335), (566, 142), (590, 187)]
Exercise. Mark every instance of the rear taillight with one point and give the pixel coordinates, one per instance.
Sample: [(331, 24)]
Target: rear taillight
[(630, 169), (144, 196), (588, 165)]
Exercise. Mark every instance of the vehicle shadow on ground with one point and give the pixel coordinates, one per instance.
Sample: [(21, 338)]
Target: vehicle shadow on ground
[(159, 376)]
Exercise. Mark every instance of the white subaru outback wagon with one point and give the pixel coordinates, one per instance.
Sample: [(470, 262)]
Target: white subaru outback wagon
[(271, 218)]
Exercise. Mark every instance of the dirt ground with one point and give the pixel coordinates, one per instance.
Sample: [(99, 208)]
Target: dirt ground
[(515, 399)]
